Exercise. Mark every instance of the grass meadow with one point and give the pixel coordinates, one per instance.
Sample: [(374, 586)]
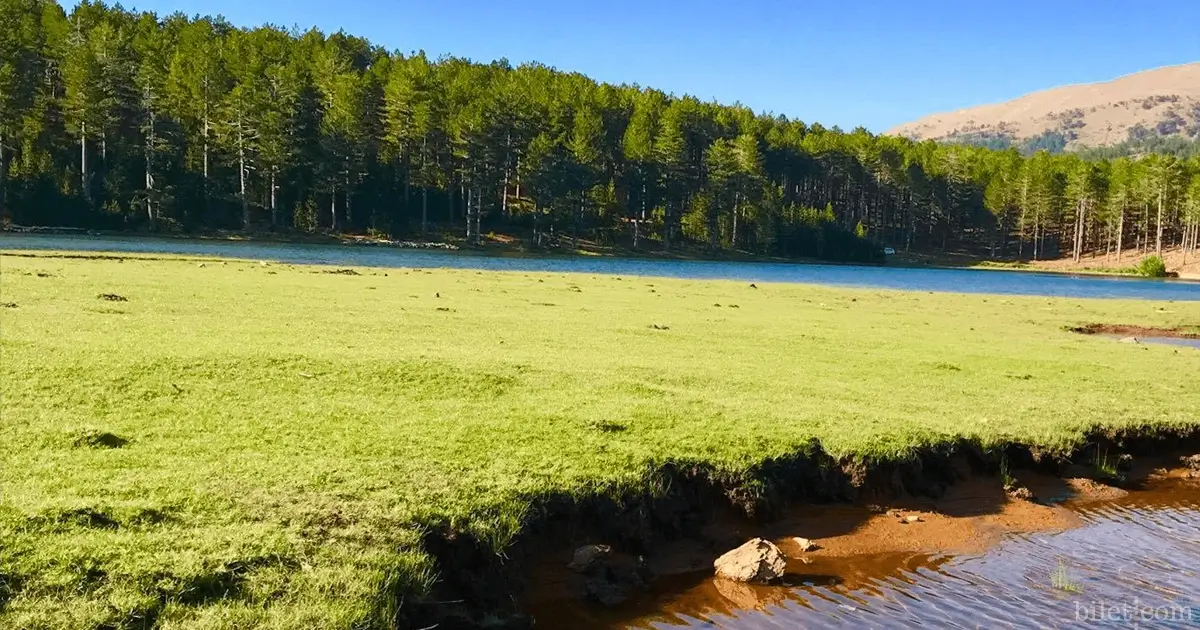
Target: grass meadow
[(198, 444)]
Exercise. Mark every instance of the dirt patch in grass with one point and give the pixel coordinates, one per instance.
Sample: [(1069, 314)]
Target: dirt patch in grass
[(341, 272), (97, 439), (112, 297), (90, 518), (8, 305), (1123, 330)]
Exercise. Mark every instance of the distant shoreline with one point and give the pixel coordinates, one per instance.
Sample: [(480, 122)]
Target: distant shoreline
[(507, 246)]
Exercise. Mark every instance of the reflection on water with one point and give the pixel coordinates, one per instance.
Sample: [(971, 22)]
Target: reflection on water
[(952, 280), (1172, 341), (1136, 563)]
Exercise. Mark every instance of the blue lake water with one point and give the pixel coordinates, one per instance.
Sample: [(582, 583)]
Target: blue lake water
[(913, 279)]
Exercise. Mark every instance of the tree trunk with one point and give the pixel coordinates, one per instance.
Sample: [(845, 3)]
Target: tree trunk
[(407, 183), (242, 176), (274, 208), (205, 139), (1121, 233), (637, 221), (333, 222), (1077, 247), (537, 236), (1187, 232), (349, 201), (478, 216), (83, 165), (733, 236), (504, 196), (467, 196), (149, 179), (667, 226), (714, 226), (424, 185), (424, 210), (1158, 241), (1036, 235), (575, 224), (3, 176)]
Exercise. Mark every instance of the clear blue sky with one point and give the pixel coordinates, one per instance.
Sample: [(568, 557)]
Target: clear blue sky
[(874, 64)]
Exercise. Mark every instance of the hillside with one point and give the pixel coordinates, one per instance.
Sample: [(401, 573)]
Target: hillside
[(1164, 102)]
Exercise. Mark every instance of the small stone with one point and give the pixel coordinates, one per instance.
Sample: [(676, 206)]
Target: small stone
[(586, 555), (913, 518), (1192, 462), (1130, 340), (263, 263), (201, 265), (758, 561), (606, 593), (1020, 493), (805, 544)]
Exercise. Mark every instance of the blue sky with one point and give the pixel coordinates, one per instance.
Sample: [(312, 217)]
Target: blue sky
[(874, 64)]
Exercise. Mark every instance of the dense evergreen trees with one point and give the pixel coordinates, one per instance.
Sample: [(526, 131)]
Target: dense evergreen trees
[(113, 119)]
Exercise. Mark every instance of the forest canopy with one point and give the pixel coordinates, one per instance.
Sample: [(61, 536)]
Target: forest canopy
[(113, 119)]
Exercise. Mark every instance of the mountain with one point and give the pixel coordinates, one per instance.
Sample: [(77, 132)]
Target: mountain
[(1164, 102)]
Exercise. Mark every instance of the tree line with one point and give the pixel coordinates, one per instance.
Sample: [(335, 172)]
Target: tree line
[(115, 119)]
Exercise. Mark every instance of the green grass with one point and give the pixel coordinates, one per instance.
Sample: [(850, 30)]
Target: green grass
[(1061, 580), (241, 445)]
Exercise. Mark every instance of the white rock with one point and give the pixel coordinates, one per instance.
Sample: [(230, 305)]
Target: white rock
[(805, 544), (758, 561)]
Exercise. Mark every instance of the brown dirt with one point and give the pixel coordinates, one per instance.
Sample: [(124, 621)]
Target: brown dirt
[(1123, 330), (1186, 266)]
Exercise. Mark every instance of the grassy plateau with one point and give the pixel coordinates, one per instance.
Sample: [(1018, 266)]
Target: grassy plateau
[(192, 444)]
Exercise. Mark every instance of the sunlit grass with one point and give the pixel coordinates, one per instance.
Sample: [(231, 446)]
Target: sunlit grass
[(240, 445)]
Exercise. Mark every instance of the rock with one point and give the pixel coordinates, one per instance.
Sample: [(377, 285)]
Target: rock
[(1129, 340), (586, 555), (758, 561), (1020, 493), (1125, 463), (611, 577), (805, 544), (606, 593), (913, 518), (1192, 462), (1091, 490)]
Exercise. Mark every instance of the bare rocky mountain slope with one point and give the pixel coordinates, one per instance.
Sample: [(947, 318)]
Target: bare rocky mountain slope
[(1160, 102)]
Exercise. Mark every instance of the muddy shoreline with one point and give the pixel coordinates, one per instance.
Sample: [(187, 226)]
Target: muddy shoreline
[(1122, 330), (966, 497)]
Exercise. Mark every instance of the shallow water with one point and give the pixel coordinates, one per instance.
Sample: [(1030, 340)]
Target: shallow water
[(1172, 341), (948, 280), (1134, 563)]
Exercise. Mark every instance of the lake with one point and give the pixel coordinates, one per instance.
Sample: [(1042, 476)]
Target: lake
[(883, 277)]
